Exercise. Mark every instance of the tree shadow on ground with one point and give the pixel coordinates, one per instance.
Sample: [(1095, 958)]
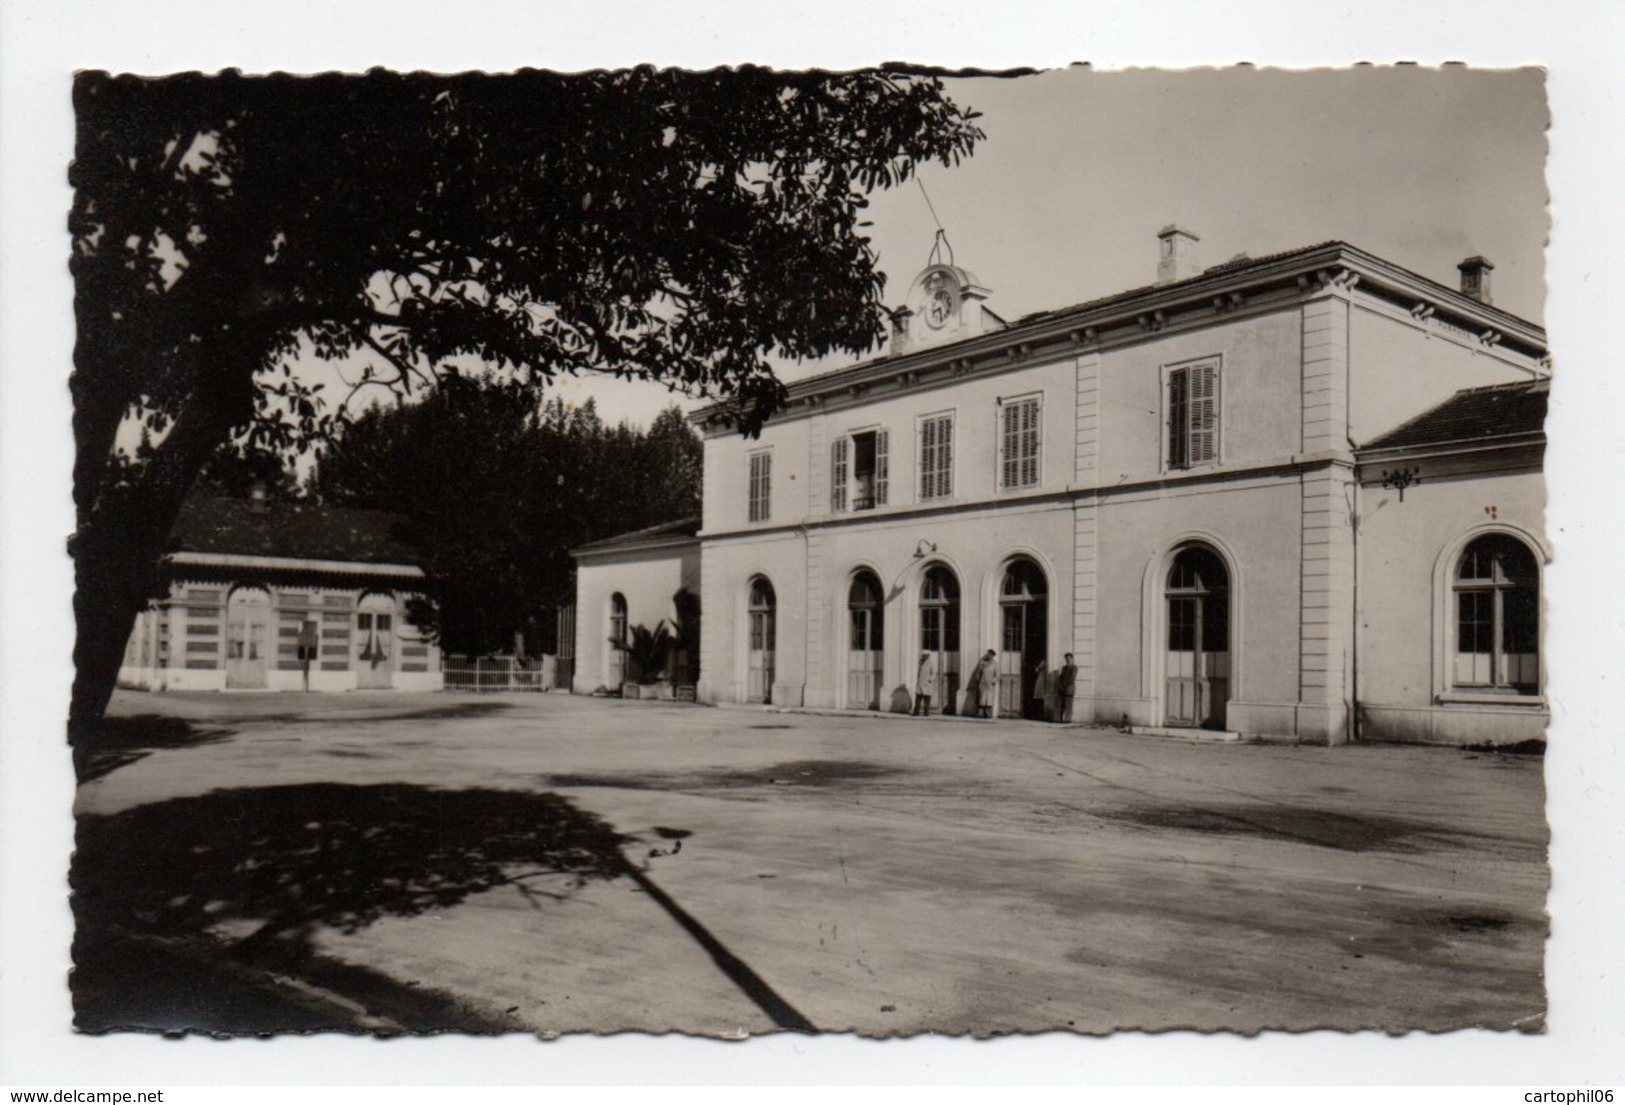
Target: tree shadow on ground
[(120, 741), (187, 910)]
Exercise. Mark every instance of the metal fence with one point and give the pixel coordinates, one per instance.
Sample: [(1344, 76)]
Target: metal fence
[(501, 673)]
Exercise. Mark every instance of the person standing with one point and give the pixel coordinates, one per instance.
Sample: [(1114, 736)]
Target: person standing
[(982, 686), (925, 684), (1064, 691)]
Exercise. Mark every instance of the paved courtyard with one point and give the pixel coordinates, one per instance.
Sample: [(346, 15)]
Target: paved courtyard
[(552, 864)]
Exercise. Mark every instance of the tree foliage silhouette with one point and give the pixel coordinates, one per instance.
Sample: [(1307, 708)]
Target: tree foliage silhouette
[(494, 492), (644, 223)]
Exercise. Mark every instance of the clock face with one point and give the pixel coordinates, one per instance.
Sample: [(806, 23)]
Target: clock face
[(939, 304)]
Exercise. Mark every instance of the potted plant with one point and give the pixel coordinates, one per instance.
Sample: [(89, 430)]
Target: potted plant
[(646, 652)]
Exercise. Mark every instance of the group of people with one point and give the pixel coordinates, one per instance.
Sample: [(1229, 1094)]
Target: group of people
[(983, 686)]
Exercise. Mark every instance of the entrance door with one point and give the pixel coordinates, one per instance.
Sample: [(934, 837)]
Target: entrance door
[(1024, 640), (865, 658), (375, 643), (939, 632), (248, 634), (1197, 686), (759, 666)]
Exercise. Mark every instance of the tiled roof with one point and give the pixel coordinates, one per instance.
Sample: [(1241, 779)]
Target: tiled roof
[(665, 531), (1235, 264), (212, 524), (1476, 414)]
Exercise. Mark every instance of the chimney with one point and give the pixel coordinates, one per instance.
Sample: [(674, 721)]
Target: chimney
[(899, 331), (1475, 279), (1177, 260)]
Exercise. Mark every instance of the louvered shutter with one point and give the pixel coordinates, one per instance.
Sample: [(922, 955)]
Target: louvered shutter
[(937, 458), (761, 483), (838, 474), (928, 459), (1204, 415), (1027, 470), (882, 465), (1009, 447)]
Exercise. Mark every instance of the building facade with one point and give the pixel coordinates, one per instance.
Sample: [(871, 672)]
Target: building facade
[(282, 596), (645, 578), (1195, 488)]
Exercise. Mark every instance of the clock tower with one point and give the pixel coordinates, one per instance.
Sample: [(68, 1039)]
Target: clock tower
[(944, 304)]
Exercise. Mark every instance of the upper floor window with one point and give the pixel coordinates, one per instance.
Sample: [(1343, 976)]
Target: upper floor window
[(937, 456), (860, 470), (1020, 422), (1193, 415), (1497, 589), (761, 486)]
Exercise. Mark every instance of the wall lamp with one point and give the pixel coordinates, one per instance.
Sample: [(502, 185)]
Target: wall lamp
[(1401, 478), (924, 549)]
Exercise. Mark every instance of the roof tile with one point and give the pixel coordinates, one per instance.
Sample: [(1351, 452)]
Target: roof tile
[(1476, 414)]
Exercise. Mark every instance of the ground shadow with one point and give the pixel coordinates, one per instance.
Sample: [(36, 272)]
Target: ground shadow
[(791, 773), (157, 888), (1321, 828), (119, 741), (198, 914)]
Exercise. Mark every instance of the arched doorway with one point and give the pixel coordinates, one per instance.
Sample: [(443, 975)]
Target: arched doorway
[(939, 630), (865, 658), (763, 636), (375, 642), (1197, 672), (1024, 640), (248, 622), (615, 670)]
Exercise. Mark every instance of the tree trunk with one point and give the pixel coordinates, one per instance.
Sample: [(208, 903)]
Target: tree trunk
[(119, 549), (105, 614)]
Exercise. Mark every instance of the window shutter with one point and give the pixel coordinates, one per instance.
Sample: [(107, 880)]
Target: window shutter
[(761, 482), (882, 465), (1178, 422), (1009, 447), (1028, 475), (837, 474), (928, 458), (937, 457), (1204, 415)]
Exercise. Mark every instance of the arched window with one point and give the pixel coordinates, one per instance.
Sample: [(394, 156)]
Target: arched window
[(1497, 602), (864, 598)]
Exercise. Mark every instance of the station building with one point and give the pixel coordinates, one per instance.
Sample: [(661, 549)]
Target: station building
[(1294, 496), (248, 581)]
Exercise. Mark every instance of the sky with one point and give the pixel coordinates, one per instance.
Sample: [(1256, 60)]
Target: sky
[(1062, 201)]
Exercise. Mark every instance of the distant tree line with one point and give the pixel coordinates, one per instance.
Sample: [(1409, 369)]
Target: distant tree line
[(494, 491)]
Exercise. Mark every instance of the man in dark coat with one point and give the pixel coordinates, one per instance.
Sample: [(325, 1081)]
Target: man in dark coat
[(1063, 692)]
